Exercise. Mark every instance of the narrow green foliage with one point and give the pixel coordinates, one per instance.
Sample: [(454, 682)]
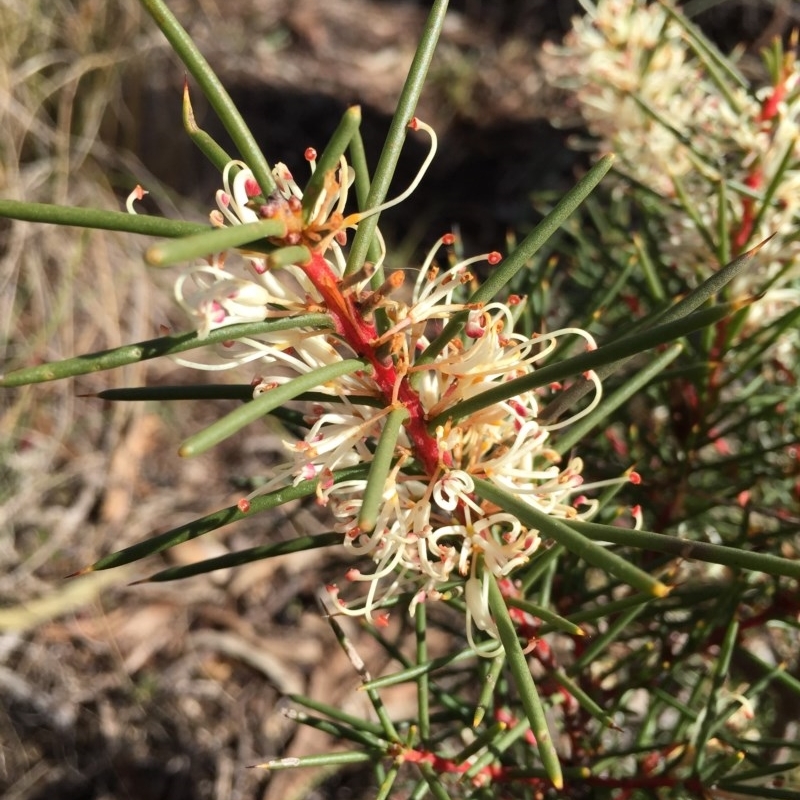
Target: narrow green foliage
[(423, 685), (268, 401), (330, 158), (153, 348), (387, 163), (609, 354), (205, 143), (214, 91), (582, 427), (566, 535), (213, 521), (99, 219), (337, 759), (216, 240), (587, 703), (488, 689), (522, 254), (240, 557), (553, 621), (379, 468), (682, 548), (529, 696)]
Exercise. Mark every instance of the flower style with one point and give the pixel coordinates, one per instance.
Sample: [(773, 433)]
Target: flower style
[(430, 528), (682, 128)]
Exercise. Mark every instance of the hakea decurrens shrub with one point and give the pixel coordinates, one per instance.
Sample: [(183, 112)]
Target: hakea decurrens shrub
[(429, 528)]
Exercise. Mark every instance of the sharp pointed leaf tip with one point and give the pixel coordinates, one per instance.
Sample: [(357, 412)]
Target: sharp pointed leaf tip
[(81, 571), (754, 250), (140, 581)]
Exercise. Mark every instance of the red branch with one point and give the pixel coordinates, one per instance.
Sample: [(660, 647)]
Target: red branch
[(361, 334)]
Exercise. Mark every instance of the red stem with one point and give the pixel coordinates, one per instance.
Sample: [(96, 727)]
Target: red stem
[(361, 334)]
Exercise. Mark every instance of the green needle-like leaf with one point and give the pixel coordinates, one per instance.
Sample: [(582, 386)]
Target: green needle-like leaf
[(552, 619), (485, 739), (361, 181), (389, 729), (153, 348), (568, 439), (526, 249), (271, 399), (711, 286), (413, 673), (599, 644), (721, 67), (518, 665), (379, 469), (322, 760), (215, 240), (387, 784), (240, 557), (721, 667), (329, 160), (99, 219), (681, 548), (284, 256), (336, 729), (777, 180), (760, 791), (423, 682), (205, 143), (188, 391), (500, 745), (704, 292), (568, 536), (610, 353), (214, 91), (357, 723), (586, 702), (488, 689), (215, 520), (406, 104)]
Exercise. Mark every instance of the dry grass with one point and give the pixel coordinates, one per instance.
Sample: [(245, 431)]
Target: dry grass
[(107, 691), (111, 691)]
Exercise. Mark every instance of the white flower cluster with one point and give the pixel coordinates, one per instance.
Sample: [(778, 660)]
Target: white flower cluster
[(431, 527), (682, 127)]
